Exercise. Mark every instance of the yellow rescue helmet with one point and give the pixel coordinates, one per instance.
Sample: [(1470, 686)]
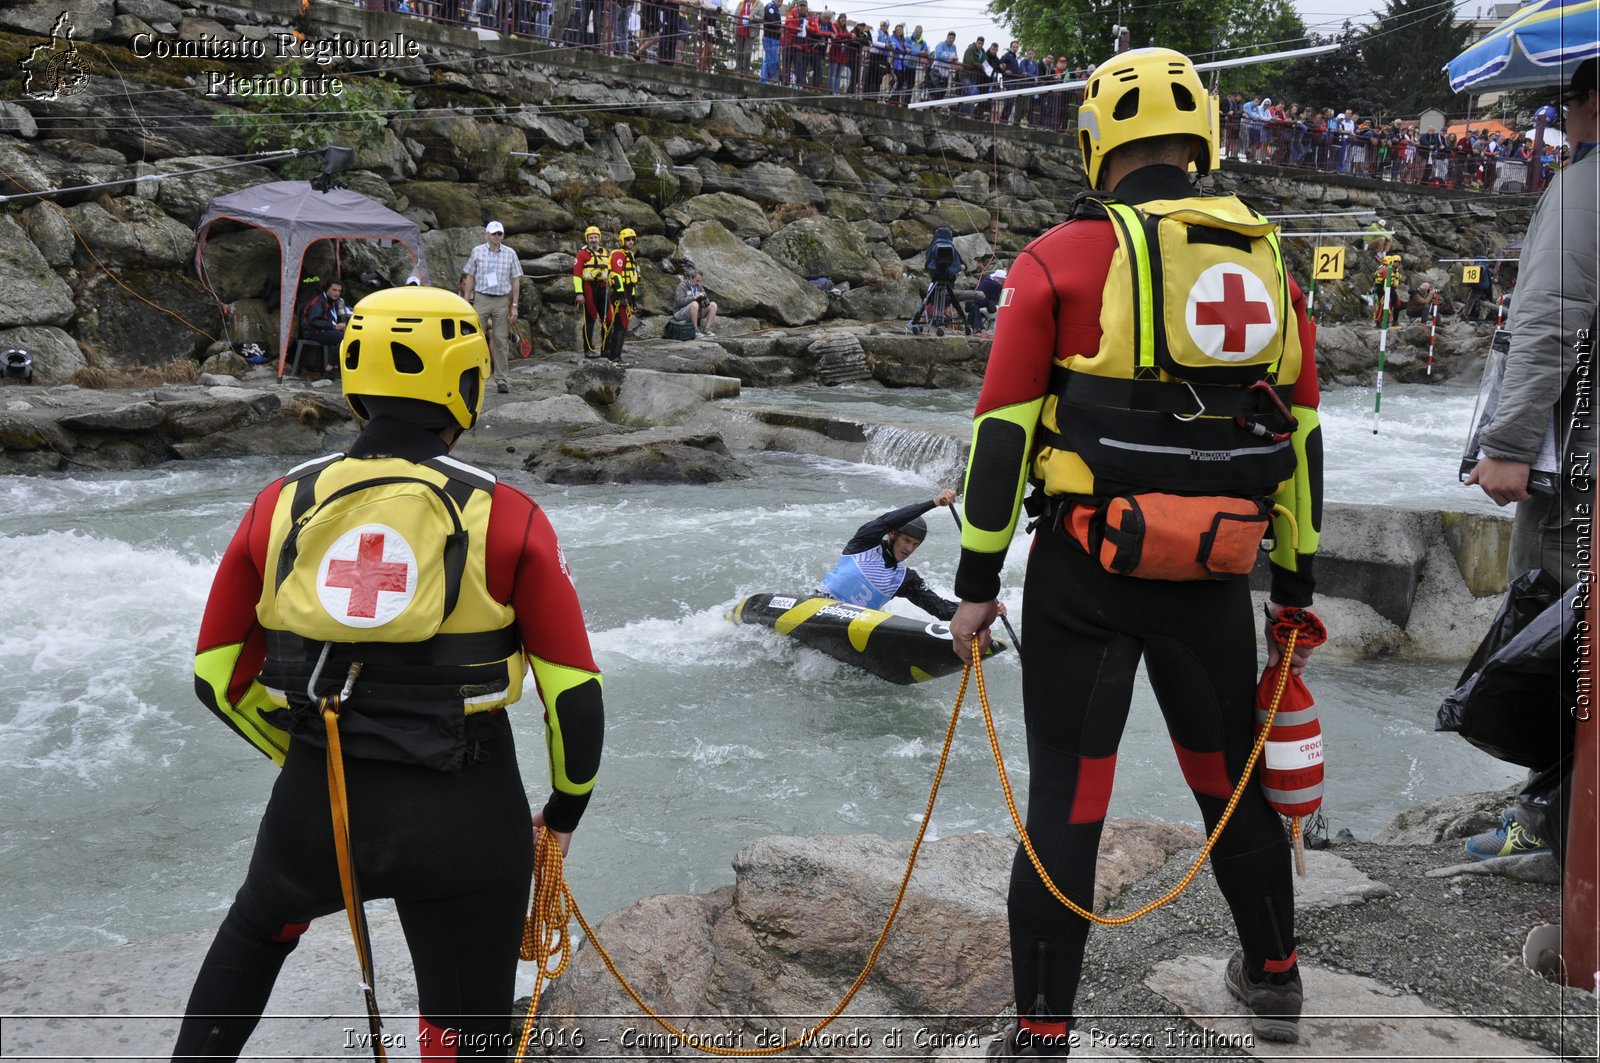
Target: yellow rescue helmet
[(593, 230), (627, 234), (1136, 95), (416, 343)]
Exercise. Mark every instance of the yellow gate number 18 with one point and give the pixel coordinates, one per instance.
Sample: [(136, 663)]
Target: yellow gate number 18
[(1471, 274), (1329, 264)]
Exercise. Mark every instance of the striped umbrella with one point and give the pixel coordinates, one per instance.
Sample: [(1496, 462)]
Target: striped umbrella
[(1542, 44)]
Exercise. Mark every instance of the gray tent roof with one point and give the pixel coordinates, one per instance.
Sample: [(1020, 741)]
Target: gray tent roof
[(299, 215)]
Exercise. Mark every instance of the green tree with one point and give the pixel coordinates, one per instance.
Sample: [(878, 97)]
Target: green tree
[(1336, 79), (1405, 53), (355, 118), (1083, 30)]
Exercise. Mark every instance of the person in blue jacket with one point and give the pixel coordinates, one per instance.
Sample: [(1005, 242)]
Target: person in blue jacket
[(872, 567)]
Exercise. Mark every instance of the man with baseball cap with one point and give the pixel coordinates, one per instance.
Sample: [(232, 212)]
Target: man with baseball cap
[(492, 282)]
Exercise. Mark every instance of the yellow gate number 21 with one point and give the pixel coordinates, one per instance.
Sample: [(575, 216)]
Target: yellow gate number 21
[(1329, 264)]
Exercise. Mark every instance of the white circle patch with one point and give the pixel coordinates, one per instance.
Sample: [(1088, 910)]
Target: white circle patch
[(367, 577), (1231, 315)]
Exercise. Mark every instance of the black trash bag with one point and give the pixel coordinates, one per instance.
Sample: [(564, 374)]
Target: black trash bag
[(1502, 703), (1543, 804)]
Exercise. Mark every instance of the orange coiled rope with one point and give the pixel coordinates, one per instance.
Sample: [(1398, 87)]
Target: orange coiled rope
[(545, 934), (1205, 851)]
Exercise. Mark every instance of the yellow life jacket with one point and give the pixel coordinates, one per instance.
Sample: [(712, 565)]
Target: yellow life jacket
[(595, 269), (624, 278), (1199, 351), (382, 561)]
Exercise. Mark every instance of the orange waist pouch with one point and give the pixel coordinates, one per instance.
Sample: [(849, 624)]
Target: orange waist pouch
[(1171, 537)]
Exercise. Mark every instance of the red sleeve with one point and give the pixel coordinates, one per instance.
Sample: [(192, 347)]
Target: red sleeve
[(230, 616), (527, 571), (1049, 308), (1307, 392)]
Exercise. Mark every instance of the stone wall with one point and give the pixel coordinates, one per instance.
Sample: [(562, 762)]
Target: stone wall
[(762, 191)]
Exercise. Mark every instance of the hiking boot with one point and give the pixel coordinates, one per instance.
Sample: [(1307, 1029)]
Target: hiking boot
[(502, 388), (1016, 1043), (1274, 1000), (1511, 838)]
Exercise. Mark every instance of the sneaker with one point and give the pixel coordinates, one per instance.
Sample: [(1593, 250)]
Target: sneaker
[(707, 334), (503, 389), (1511, 838), (1008, 1046), (1274, 1001)]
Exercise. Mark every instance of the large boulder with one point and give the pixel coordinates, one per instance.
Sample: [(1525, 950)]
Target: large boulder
[(24, 168), (454, 204), (30, 292), (476, 148), (767, 182), (823, 247), (186, 196), (388, 158), (529, 212), (134, 322), (740, 216), (959, 215), (653, 178), (48, 229), (890, 299), (745, 280), (646, 455), (243, 264), (55, 354), (85, 21), (623, 212), (138, 234), (794, 931)]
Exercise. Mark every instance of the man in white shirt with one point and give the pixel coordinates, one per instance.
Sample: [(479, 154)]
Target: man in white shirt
[(492, 282)]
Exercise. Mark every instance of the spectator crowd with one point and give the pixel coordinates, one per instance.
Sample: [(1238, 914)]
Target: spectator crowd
[(782, 42), (1319, 138)]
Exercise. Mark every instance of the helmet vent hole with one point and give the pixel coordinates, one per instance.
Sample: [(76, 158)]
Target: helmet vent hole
[(352, 354), (468, 328), (406, 360), (1127, 107), (1182, 98), (448, 328)]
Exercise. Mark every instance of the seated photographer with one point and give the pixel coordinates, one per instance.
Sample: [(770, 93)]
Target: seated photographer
[(690, 303)]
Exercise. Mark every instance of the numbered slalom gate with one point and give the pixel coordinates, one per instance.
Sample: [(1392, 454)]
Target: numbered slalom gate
[(546, 941)]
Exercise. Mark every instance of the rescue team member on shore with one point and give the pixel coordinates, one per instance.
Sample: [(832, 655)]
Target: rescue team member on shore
[(590, 273), (872, 566), (624, 295), (1146, 358), (445, 586)]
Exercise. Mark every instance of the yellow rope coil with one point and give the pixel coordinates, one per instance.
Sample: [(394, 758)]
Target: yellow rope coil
[(1205, 851), (553, 905)]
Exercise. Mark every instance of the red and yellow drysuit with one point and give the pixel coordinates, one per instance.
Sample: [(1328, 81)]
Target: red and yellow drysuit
[(1089, 431), (438, 817)]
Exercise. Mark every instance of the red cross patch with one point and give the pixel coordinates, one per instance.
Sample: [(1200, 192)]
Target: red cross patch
[(1230, 313), (368, 576)]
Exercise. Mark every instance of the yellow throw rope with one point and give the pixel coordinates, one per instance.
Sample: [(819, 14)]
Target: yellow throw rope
[(347, 872), (1205, 851), (545, 934)]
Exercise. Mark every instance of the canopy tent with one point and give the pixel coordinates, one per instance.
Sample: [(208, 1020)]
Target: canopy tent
[(1539, 46), (298, 216), (1484, 126)]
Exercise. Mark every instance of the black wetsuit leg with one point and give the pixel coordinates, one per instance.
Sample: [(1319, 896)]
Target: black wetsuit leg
[(1087, 631), (455, 851)]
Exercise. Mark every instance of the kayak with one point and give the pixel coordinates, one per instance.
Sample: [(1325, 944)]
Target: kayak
[(897, 648)]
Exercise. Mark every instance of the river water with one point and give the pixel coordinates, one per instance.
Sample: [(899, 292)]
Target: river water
[(129, 812)]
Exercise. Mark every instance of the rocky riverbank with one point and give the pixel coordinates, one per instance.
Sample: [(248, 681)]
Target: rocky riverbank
[(1406, 951)]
